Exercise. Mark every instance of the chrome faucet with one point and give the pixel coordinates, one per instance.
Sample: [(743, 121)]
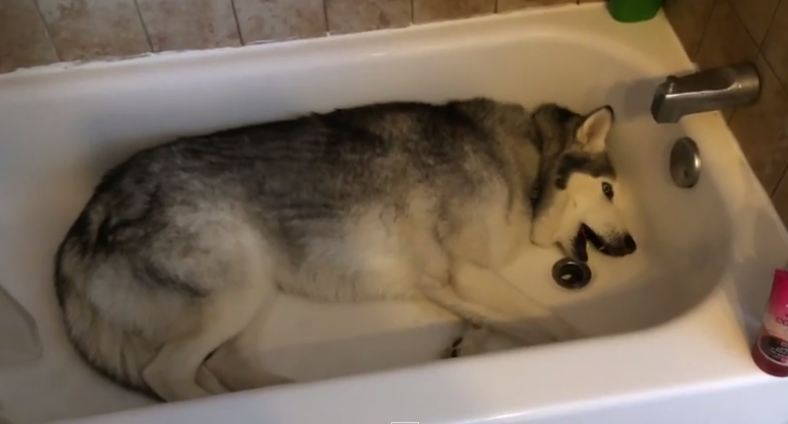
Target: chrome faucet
[(704, 91)]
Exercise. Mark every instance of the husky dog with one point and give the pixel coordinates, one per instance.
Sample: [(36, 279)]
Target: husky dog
[(184, 244)]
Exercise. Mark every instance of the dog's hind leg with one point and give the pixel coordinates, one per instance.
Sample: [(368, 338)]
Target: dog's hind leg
[(236, 271), (173, 372)]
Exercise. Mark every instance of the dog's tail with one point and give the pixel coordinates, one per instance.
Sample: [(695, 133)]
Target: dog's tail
[(115, 352)]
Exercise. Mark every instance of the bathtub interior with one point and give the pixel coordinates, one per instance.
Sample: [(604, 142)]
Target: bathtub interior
[(61, 130)]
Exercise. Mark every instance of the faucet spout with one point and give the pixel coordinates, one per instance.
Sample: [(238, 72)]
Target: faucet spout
[(706, 90)]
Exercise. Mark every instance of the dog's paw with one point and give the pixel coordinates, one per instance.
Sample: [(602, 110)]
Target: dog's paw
[(455, 350), (471, 342)]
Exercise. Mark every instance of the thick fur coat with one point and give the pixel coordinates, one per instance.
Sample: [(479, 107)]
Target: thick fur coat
[(184, 244)]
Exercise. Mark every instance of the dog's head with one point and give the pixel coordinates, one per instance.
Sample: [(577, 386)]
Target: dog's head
[(577, 200)]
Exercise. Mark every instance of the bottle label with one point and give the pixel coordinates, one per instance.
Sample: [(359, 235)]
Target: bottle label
[(774, 348), (773, 341)]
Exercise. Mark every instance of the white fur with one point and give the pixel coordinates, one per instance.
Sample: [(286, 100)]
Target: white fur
[(592, 134)]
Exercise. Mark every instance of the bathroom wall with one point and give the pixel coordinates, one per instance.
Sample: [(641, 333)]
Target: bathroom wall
[(37, 32), (720, 32)]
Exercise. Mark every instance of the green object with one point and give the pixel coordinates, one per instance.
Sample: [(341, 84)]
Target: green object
[(633, 10)]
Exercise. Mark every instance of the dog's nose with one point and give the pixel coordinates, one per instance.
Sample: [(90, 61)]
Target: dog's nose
[(629, 244)]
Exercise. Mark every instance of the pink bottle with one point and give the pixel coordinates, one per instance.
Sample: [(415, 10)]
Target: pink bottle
[(770, 350)]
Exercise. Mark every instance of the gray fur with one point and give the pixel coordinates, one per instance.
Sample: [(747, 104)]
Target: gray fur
[(292, 182)]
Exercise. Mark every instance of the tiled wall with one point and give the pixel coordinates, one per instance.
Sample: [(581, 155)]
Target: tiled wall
[(720, 32), (36, 32)]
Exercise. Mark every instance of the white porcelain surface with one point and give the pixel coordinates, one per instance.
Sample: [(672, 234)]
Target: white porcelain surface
[(668, 328)]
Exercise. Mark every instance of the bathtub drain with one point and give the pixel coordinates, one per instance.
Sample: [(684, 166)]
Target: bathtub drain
[(571, 274)]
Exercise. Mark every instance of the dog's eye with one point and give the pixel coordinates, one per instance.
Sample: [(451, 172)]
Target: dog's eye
[(608, 190)]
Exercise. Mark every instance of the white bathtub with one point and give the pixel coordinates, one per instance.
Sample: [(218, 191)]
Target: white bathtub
[(668, 329)]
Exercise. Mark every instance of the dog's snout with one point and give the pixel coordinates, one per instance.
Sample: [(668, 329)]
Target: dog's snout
[(618, 246), (629, 244)]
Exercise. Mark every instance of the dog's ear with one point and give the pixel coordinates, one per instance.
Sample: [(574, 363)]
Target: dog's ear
[(592, 133)]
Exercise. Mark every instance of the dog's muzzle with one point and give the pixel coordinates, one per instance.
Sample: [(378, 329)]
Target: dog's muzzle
[(621, 246)]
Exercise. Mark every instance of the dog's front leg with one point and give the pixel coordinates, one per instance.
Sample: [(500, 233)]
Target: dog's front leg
[(483, 297)]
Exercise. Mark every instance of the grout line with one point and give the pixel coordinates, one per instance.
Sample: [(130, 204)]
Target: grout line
[(763, 54), (144, 28), (773, 191), (412, 12), (46, 30), (705, 31), (325, 16), (769, 65), (746, 29), (237, 23), (495, 10), (771, 24)]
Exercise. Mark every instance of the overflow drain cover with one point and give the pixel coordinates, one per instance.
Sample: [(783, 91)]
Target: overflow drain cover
[(685, 163), (571, 274)]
